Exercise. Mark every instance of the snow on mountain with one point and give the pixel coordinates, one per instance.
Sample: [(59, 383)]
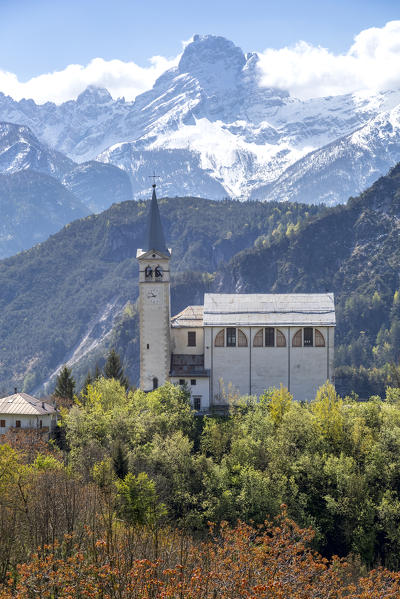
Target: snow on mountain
[(21, 150), (210, 129), (177, 169), (343, 168)]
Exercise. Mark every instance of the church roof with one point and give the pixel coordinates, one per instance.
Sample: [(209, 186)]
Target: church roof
[(155, 239), (22, 403), (291, 309), (192, 317)]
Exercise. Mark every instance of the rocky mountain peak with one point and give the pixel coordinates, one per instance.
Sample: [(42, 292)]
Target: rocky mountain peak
[(211, 56), (94, 95)]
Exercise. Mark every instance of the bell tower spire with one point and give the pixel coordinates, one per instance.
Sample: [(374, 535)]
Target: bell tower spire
[(154, 302), (155, 239)]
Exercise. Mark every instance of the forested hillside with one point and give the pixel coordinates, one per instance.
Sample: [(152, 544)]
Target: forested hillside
[(59, 299)]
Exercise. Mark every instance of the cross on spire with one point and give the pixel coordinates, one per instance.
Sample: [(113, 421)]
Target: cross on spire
[(155, 233), (154, 177)]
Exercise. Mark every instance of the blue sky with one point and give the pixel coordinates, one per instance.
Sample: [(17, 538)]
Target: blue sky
[(38, 36)]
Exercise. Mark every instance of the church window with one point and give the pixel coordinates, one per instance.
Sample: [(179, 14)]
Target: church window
[(192, 339), (280, 339), (258, 339), (269, 337), (319, 339), (297, 339), (308, 337), (231, 337), (192, 381), (242, 339), (197, 402), (155, 383), (219, 339), (148, 272)]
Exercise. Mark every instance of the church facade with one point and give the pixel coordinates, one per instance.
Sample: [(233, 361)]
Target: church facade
[(234, 344)]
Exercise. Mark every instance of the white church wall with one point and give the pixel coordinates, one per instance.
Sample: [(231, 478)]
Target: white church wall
[(269, 368), (311, 367), (230, 368), (200, 389), (179, 339)]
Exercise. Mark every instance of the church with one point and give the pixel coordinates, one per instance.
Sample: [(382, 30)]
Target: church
[(236, 344)]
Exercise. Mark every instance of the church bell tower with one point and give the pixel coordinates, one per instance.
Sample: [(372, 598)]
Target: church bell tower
[(154, 303)]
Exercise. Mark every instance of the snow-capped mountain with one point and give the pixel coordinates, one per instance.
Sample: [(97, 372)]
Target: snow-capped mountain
[(211, 130), (41, 190), (21, 150), (95, 184), (343, 168)]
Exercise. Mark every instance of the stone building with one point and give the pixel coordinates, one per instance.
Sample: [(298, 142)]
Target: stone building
[(234, 343)]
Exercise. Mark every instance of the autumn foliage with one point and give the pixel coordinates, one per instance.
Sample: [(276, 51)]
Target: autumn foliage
[(241, 562)]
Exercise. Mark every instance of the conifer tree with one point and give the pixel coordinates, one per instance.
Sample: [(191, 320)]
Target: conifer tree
[(113, 369), (65, 384), (120, 460)]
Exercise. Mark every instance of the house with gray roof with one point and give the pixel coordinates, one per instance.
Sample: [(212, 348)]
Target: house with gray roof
[(233, 344), (22, 411)]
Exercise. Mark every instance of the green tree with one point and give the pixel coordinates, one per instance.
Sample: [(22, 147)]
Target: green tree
[(137, 500), (113, 369), (65, 384)]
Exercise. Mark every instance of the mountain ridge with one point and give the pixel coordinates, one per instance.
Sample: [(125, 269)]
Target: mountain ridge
[(234, 137)]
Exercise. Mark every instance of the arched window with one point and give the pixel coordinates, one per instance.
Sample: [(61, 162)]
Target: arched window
[(319, 339), (297, 339), (155, 383), (242, 339), (280, 339), (220, 339), (258, 339)]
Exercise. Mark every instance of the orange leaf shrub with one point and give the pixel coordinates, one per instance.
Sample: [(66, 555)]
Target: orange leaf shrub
[(243, 562)]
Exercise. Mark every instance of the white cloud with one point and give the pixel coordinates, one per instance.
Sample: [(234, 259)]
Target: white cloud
[(120, 78), (372, 63)]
